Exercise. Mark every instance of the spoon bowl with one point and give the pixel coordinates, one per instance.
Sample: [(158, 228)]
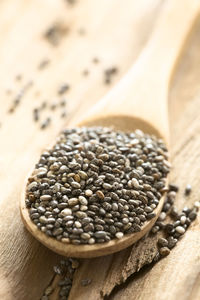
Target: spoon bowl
[(86, 251), (138, 101)]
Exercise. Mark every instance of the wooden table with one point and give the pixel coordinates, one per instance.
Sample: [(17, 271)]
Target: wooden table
[(113, 31)]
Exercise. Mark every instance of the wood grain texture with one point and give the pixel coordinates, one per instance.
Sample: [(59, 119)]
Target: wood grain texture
[(115, 33), (26, 266)]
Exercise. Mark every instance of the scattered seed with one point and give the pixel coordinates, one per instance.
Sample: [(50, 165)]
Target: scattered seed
[(164, 251), (43, 64), (162, 242), (57, 270), (63, 89), (85, 72), (75, 263), (109, 73), (171, 242), (197, 204), (53, 106), (192, 215), (55, 33), (63, 114), (71, 2), (36, 114), (81, 31), (162, 216), (48, 291), (45, 123), (18, 77), (95, 60), (85, 282), (45, 297), (173, 187), (188, 189)]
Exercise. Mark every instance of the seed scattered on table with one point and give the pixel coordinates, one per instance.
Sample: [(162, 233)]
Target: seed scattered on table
[(95, 60), (63, 114), (43, 64), (85, 282), (188, 189), (65, 272), (36, 114), (173, 231), (99, 179), (18, 97), (109, 73), (55, 33), (85, 72), (48, 291), (45, 123), (162, 242), (71, 1), (173, 187), (164, 251), (82, 31), (63, 88), (18, 77)]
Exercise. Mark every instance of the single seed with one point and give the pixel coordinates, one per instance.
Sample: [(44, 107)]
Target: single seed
[(88, 193), (73, 201), (197, 204), (83, 200), (162, 242), (180, 229), (85, 282), (100, 194), (66, 212), (192, 215), (63, 89), (188, 189), (45, 198), (183, 219), (164, 251), (162, 216), (171, 242), (119, 235), (48, 290), (173, 187), (75, 263)]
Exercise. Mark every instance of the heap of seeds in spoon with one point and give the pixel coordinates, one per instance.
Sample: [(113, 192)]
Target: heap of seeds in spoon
[(97, 184)]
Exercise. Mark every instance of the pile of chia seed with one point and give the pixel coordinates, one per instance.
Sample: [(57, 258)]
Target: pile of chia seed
[(97, 184), (172, 233)]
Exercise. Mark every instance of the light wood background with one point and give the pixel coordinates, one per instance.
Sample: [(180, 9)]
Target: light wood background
[(115, 32)]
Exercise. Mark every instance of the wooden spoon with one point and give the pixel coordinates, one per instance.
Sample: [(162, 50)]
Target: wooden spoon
[(138, 101)]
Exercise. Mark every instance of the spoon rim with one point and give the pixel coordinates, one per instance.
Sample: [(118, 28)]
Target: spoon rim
[(86, 250)]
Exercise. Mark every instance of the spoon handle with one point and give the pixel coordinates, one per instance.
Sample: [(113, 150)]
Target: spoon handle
[(168, 39), (142, 92)]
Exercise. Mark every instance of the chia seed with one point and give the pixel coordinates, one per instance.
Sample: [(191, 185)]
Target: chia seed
[(45, 123), (55, 33), (43, 64), (109, 73), (63, 89), (188, 189), (76, 181), (85, 282)]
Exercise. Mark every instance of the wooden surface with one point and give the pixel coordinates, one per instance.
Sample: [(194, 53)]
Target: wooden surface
[(115, 33), (140, 99)]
